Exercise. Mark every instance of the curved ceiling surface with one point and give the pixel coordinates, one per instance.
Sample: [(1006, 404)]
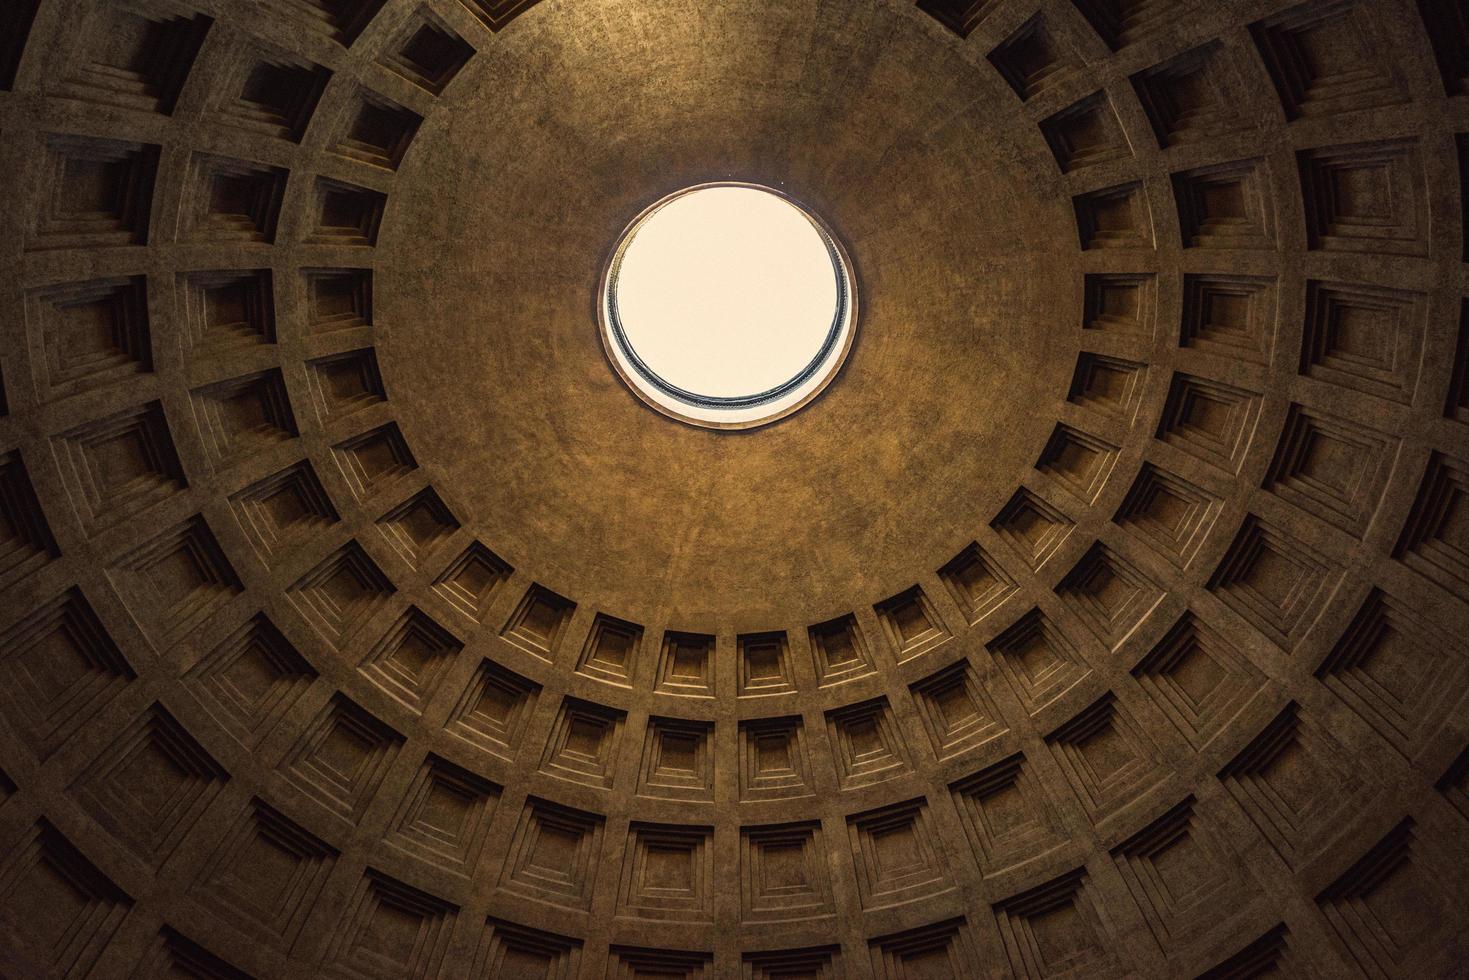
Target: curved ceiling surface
[(953, 236), (1103, 617)]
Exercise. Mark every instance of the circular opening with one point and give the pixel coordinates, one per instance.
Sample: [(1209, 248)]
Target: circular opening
[(727, 305)]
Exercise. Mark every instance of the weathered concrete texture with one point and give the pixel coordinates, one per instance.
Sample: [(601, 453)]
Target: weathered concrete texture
[(954, 220), (1103, 618)]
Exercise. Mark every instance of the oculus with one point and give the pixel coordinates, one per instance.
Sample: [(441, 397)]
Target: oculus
[(727, 306)]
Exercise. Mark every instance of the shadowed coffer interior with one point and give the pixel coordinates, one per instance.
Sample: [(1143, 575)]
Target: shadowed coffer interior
[(1104, 617)]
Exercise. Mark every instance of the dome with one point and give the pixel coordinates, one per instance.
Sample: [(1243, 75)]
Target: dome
[(1083, 597)]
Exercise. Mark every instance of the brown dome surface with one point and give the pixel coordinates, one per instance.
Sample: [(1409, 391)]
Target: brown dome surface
[(1104, 617), (959, 234)]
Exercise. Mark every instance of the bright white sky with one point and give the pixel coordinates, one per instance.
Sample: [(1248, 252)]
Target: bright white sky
[(727, 291)]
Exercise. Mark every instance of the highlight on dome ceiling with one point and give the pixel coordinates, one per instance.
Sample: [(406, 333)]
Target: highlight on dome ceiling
[(734, 490), (728, 306)]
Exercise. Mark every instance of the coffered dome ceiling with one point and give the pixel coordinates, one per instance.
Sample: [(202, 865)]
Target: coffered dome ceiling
[(1103, 617)]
